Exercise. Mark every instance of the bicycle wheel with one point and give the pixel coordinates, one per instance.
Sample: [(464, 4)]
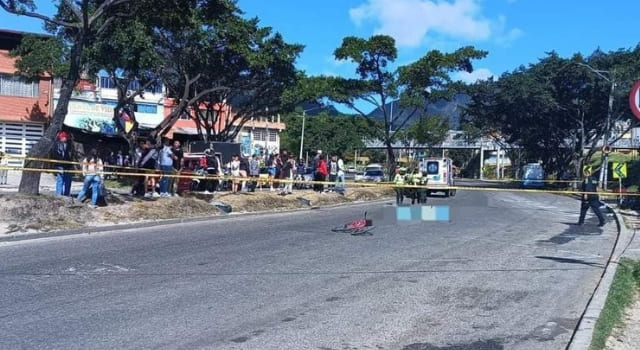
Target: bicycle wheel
[(341, 229), (363, 231)]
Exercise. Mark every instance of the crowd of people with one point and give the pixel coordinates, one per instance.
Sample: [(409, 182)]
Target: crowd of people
[(282, 170), (157, 171)]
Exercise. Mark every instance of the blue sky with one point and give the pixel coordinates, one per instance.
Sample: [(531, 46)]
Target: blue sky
[(514, 32)]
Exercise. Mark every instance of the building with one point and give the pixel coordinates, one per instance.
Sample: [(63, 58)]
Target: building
[(25, 106), (90, 116), (259, 136)]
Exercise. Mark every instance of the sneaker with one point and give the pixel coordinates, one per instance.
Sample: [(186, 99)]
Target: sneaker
[(155, 195), (207, 192), (147, 195), (164, 195)]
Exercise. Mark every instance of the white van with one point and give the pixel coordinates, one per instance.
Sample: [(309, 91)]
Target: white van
[(439, 174)]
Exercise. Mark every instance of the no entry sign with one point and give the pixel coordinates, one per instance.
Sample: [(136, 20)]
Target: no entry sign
[(634, 99)]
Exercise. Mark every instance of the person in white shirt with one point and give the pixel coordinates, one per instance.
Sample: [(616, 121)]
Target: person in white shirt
[(165, 163), (92, 169)]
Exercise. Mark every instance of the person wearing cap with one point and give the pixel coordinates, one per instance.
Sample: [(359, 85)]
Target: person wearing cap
[(62, 152)]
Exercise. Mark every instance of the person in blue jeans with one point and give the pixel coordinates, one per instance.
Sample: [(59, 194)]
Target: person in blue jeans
[(62, 152), (165, 161), (92, 169)]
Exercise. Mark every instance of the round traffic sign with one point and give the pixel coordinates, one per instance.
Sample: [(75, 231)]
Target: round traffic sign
[(634, 99)]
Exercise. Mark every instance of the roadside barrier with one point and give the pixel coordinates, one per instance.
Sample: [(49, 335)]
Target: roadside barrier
[(141, 172)]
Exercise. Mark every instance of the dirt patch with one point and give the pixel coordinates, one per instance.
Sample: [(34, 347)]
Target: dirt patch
[(627, 336), (20, 214)]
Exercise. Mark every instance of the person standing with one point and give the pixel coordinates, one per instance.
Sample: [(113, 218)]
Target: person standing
[(254, 172), (148, 163), (398, 181), (62, 152), (590, 198), (340, 174), (165, 163), (321, 174), (4, 164), (288, 168), (92, 169), (235, 173), (178, 164), (213, 168), (333, 172)]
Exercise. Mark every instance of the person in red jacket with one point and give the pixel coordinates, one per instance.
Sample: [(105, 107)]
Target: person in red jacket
[(321, 174)]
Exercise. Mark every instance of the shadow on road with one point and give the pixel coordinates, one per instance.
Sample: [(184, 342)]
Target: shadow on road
[(570, 261)]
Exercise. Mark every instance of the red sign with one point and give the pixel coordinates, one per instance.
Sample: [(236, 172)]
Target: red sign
[(634, 99)]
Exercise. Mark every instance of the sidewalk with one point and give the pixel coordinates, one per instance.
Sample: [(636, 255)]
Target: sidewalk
[(632, 219), (47, 183), (627, 335)]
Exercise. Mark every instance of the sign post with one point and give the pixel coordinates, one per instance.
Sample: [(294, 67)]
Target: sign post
[(619, 172)]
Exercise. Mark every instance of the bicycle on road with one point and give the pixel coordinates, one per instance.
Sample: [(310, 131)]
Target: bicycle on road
[(356, 227)]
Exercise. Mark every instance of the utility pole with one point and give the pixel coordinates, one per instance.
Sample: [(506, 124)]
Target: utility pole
[(607, 134), (302, 134), (604, 167)]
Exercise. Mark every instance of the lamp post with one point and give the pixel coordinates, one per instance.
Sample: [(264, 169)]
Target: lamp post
[(605, 138), (302, 133), (304, 114)]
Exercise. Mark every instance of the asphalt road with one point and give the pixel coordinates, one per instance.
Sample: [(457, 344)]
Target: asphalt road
[(508, 272)]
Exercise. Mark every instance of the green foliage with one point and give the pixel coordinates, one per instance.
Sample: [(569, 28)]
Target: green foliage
[(332, 134), (38, 55), (378, 83), (429, 130), (231, 60), (556, 107), (623, 288)]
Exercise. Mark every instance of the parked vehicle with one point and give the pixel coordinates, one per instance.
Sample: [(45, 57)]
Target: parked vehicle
[(306, 176), (373, 176), (439, 174), (359, 176), (532, 175)]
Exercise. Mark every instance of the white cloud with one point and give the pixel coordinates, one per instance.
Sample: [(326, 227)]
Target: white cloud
[(470, 78), (410, 22), (334, 62), (505, 37)]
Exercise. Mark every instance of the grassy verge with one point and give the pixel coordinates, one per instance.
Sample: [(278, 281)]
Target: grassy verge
[(625, 284)]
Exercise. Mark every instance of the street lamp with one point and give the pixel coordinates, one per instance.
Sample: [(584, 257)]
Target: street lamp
[(605, 142)]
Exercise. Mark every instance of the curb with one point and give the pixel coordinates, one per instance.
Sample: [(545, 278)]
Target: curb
[(195, 219), (581, 338)]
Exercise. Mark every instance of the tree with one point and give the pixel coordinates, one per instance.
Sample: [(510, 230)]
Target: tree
[(429, 130), (555, 108), (333, 134), (414, 85), (77, 25), (241, 69)]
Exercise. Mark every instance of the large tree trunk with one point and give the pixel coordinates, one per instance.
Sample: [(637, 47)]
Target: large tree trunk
[(30, 180), (391, 157)]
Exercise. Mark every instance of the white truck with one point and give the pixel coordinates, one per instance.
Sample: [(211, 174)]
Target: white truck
[(439, 172)]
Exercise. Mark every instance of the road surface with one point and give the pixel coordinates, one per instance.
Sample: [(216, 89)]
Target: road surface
[(508, 272)]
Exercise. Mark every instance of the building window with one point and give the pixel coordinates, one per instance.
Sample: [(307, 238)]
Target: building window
[(107, 83), (273, 135), (13, 85), (259, 134), (146, 108)]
